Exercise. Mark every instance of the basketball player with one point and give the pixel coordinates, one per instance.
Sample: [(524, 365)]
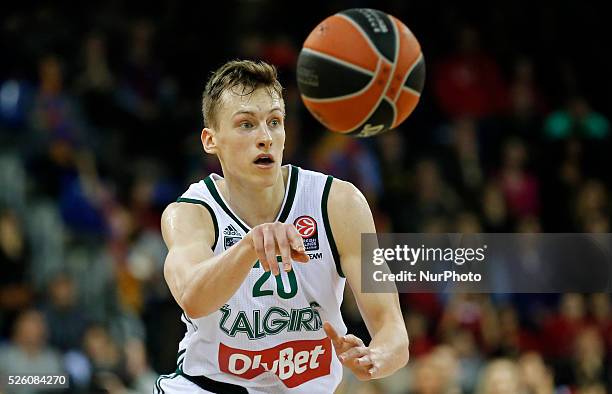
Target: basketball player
[(258, 259)]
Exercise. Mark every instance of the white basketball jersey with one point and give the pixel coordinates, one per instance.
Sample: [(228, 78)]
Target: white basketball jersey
[(269, 337)]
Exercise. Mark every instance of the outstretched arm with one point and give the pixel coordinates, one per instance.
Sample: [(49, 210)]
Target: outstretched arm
[(202, 282), (350, 216)]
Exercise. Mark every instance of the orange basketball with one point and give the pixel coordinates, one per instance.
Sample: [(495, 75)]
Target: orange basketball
[(361, 72)]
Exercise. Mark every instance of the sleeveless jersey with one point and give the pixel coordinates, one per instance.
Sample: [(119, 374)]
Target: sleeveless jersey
[(269, 336)]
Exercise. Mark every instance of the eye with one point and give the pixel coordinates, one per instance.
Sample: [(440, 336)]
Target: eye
[(275, 122), (246, 125)]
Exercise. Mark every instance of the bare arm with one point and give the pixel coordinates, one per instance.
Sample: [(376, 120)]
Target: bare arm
[(201, 282), (350, 216)]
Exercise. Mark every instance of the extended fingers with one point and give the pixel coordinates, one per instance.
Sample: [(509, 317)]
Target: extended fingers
[(283, 246), (364, 367), (258, 244), (272, 239), (364, 361), (298, 251), (270, 249), (333, 335), (353, 353), (353, 340), (295, 239)]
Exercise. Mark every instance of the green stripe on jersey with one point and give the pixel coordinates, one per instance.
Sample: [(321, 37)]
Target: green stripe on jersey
[(330, 235), (210, 210), (290, 194), (210, 184)]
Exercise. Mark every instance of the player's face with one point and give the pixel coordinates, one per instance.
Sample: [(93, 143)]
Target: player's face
[(251, 134)]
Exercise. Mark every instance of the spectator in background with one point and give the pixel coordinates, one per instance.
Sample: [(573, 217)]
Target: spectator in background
[(426, 378), (536, 377), (28, 353), (140, 376), (501, 376), (579, 124), (469, 357), (62, 164), (396, 179), (527, 104), (566, 323), (467, 222), (95, 84), (103, 355), (572, 163), (468, 82), (464, 161), (83, 197), (472, 312), (355, 161), (16, 95), (514, 338), (66, 320), (437, 373), (350, 159), (16, 292), (431, 195), (567, 164), (601, 315), (55, 115), (589, 364), (591, 202), (577, 119), (421, 341), (519, 186), (144, 93), (282, 53), (494, 210), (140, 81)]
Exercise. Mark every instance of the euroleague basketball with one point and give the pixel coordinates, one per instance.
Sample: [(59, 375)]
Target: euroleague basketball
[(361, 72)]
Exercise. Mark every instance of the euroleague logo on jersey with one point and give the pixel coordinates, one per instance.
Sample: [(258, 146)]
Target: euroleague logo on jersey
[(307, 228)]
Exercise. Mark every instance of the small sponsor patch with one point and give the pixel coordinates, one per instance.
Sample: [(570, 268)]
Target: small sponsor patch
[(231, 236), (307, 228)]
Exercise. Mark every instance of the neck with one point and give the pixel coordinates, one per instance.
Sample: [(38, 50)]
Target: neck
[(255, 205)]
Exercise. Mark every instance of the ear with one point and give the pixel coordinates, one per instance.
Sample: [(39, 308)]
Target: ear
[(209, 142)]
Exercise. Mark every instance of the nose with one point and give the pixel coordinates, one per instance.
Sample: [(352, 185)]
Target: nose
[(264, 137)]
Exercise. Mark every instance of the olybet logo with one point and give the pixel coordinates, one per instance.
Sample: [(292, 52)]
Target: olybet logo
[(294, 362)]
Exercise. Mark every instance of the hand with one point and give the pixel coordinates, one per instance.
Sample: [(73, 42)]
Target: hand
[(274, 239), (353, 354)]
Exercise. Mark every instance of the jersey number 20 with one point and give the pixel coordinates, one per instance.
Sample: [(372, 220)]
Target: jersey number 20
[(280, 287)]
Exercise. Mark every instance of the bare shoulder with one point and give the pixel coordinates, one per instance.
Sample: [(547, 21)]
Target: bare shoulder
[(183, 222), (349, 215), (344, 197)]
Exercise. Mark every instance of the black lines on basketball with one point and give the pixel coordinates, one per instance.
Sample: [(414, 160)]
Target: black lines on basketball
[(416, 78), (378, 28), (380, 121), (318, 76)]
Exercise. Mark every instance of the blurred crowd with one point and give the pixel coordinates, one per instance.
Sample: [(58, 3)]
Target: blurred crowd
[(99, 131)]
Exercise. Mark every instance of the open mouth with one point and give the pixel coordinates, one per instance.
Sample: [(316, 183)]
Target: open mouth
[(264, 160)]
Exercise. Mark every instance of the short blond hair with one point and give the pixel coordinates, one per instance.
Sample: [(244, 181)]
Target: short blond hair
[(247, 75)]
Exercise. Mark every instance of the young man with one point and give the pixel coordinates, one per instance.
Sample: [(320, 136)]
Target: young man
[(258, 259)]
